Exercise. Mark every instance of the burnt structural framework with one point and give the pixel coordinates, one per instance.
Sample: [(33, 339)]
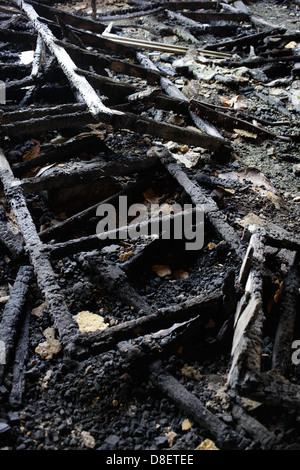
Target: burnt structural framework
[(123, 103)]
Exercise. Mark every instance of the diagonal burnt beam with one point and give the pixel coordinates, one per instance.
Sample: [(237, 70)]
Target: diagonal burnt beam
[(86, 93), (211, 210), (39, 259)]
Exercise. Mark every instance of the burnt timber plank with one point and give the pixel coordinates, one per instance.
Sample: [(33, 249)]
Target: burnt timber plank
[(39, 259), (12, 315), (78, 82)]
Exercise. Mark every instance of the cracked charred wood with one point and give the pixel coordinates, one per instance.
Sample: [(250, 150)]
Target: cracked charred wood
[(96, 41), (191, 405), (114, 280), (100, 341), (252, 426), (211, 210), (282, 349), (46, 278), (64, 152), (12, 316), (273, 389), (68, 18), (68, 34), (19, 365), (91, 170), (193, 5), (34, 126), (79, 83), (28, 113), (11, 241), (100, 62), (62, 230)]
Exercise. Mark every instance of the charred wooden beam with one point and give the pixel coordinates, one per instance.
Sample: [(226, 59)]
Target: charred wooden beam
[(19, 365), (19, 37), (99, 341), (248, 40), (264, 438), (29, 112), (79, 83), (190, 404), (63, 229), (229, 122), (12, 242), (245, 370), (12, 316), (100, 62), (46, 278), (210, 16), (91, 171), (126, 14), (116, 91), (66, 151), (197, 28), (113, 279), (124, 120), (211, 210), (68, 18)]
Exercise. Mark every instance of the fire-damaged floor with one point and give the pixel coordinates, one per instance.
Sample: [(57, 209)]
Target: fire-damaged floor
[(155, 342)]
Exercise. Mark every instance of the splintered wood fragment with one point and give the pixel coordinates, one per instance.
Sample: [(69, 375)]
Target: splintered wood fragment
[(249, 316), (39, 259), (195, 409), (80, 84), (114, 279), (28, 113), (100, 341), (19, 365), (282, 350), (12, 316)]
